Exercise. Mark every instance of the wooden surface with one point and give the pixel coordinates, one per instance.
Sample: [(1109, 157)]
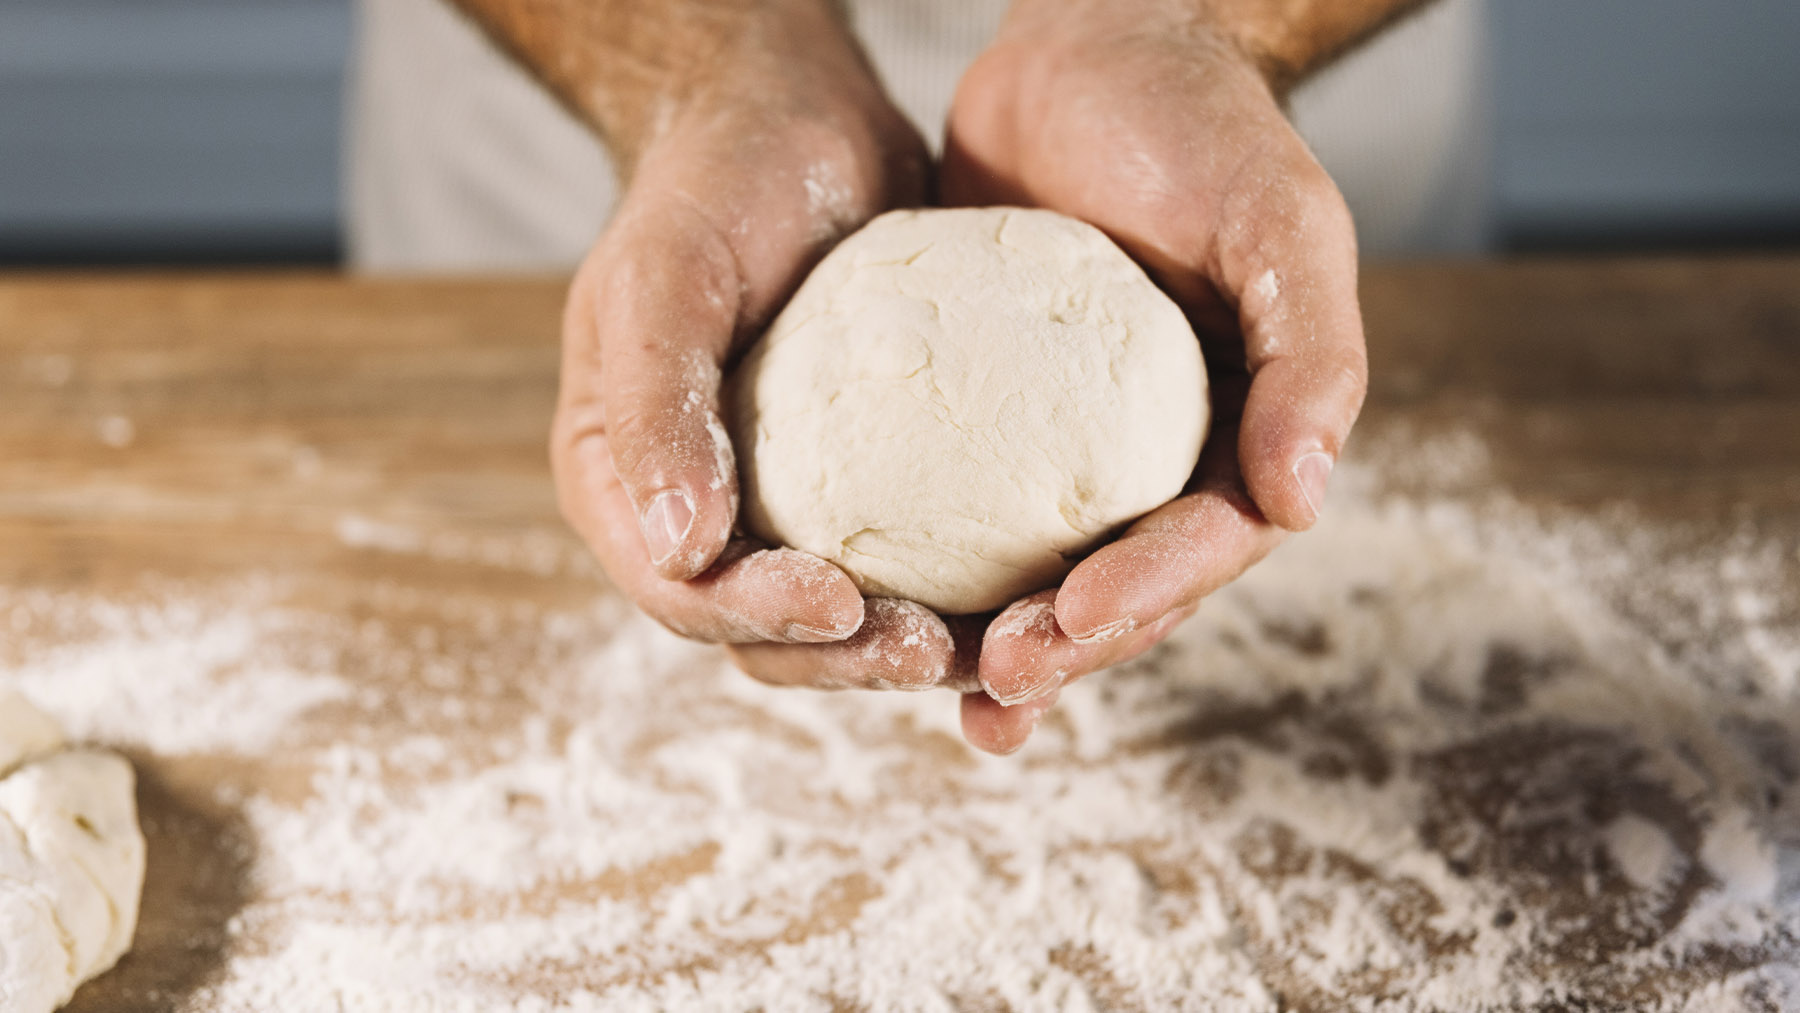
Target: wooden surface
[(161, 430), (266, 405)]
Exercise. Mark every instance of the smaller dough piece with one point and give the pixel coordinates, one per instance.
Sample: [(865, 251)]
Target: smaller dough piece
[(35, 973), (69, 825), (71, 861)]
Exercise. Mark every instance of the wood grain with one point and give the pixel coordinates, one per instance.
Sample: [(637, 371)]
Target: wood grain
[(160, 429)]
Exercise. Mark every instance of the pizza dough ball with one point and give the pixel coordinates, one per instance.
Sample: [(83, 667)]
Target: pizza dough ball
[(71, 861), (958, 404)]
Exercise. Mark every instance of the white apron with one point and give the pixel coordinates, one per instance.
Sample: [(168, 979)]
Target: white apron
[(459, 162)]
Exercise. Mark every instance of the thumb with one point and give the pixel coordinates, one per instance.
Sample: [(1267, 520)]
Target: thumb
[(1293, 272), (664, 315)]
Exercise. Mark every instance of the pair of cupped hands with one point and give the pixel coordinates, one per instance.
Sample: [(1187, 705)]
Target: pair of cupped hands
[(1165, 135)]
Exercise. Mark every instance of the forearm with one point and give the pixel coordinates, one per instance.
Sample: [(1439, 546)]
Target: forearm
[(1284, 39), (630, 68), (1289, 39)]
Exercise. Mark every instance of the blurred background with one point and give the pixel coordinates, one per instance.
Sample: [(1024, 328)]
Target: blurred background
[(213, 131)]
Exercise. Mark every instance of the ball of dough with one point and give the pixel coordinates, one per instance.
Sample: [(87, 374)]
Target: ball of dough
[(958, 404), (71, 861)]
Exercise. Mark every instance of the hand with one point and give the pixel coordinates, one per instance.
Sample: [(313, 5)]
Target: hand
[(747, 180), (1153, 125)]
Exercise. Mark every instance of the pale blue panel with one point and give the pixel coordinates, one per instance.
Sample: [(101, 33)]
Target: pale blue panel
[(1669, 121), (177, 127)]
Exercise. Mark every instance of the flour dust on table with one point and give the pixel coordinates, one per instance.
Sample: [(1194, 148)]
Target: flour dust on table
[(1429, 757)]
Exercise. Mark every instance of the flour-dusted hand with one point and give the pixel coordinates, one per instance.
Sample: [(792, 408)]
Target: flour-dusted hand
[(753, 136), (1160, 123)]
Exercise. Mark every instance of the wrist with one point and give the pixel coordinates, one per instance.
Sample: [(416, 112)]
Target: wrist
[(1289, 39), (632, 69), (1284, 40), (793, 97), (1189, 29)]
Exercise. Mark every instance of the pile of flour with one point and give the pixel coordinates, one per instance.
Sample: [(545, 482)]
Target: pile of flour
[(1428, 757)]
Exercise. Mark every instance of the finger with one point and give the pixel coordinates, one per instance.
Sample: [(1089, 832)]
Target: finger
[(1026, 654), (1122, 649), (665, 311), (1020, 656), (1288, 254), (770, 595), (901, 645), (1172, 557), (993, 728), (996, 727)]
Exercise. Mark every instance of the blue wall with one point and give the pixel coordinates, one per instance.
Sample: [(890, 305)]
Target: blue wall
[(1664, 121), (155, 128), (159, 129)]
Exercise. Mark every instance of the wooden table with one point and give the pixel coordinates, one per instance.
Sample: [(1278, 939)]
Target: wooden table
[(164, 431)]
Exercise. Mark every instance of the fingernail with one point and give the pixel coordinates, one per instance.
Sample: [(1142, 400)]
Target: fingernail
[(802, 633), (665, 522), (1109, 631), (1030, 693), (1310, 474)]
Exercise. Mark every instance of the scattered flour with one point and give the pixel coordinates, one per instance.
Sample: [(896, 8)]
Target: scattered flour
[(830, 202), (543, 553), (167, 679), (1428, 757), (116, 431)]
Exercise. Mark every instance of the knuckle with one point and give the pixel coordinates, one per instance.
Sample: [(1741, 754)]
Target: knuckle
[(671, 620), (710, 270), (1348, 386), (574, 485), (568, 496), (653, 446), (752, 663), (573, 503), (1320, 196), (648, 442), (631, 430), (1299, 199), (1345, 369), (911, 678)]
